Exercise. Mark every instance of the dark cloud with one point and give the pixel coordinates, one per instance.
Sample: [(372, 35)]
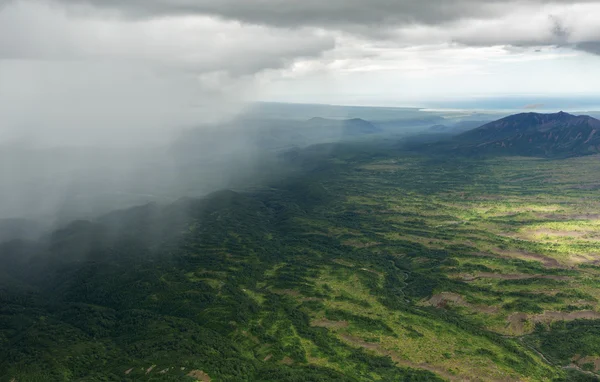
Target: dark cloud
[(589, 47), (292, 13), (326, 14), (37, 30), (558, 29), (377, 19)]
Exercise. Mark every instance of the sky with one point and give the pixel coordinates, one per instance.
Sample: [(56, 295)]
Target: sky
[(82, 64), (93, 93)]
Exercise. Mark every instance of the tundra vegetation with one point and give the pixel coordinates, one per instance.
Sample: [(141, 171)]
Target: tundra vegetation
[(371, 264)]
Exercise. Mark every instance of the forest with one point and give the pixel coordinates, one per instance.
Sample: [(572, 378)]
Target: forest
[(371, 263)]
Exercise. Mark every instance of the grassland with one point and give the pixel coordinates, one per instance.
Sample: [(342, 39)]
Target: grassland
[(508, 246)]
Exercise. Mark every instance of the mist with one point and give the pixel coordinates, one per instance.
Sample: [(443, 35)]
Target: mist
[(81, 138), (98, 112), (102, 108)]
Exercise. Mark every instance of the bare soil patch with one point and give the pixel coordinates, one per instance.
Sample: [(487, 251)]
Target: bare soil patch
[(288, 292), (253, 338), (517, 320), (580, 361), (502, 276), (311, 299), (372, 271), (441, 300), (287, 361), (547, 261), (548, 317), (558, 233), (358, 244), (590, 258), (325, 323), (343, 262), (199, 375)]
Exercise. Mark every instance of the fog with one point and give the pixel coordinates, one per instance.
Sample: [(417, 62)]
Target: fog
[(80, 138), (104, 107), (99, 112)]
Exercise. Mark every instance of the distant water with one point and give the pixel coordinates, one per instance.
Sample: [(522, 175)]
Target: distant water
[(521, 103)]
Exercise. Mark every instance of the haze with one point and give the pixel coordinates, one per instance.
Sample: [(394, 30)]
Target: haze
[(93, 94), (299, 190)]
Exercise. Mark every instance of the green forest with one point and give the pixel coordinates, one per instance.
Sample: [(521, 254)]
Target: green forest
[(369, 263)]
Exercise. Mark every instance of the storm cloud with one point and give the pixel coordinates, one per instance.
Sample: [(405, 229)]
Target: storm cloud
[(327, 14), (189, 55), (184, 60), (131, 74), (91, 103), (88, 69), (523, 22)]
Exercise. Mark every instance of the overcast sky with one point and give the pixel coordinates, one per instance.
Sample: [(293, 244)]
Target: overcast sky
[(110, 63)]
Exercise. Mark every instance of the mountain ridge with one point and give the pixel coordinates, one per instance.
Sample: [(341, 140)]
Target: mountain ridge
[(534, 134)]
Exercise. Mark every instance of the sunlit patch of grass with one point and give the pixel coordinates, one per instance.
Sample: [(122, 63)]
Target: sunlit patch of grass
[(414, 339), (273, 271), (489, 220), (565, 233), (258, 297)]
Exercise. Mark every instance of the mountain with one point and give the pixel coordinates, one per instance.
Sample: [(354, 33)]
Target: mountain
[(267, 135), (457, 128), (551, 135)]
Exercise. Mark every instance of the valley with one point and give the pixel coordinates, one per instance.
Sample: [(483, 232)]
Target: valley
[(299, 191), (372, 263)]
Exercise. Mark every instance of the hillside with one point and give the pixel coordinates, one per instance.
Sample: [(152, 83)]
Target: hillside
[(456, 128), (367, 265), (559, 134)]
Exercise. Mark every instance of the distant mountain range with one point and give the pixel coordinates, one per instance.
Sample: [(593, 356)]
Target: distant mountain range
[(456, 128), (273, 134), (551, 135)]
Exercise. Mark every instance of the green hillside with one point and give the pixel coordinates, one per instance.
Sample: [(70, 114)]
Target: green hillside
[(370, 265)]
